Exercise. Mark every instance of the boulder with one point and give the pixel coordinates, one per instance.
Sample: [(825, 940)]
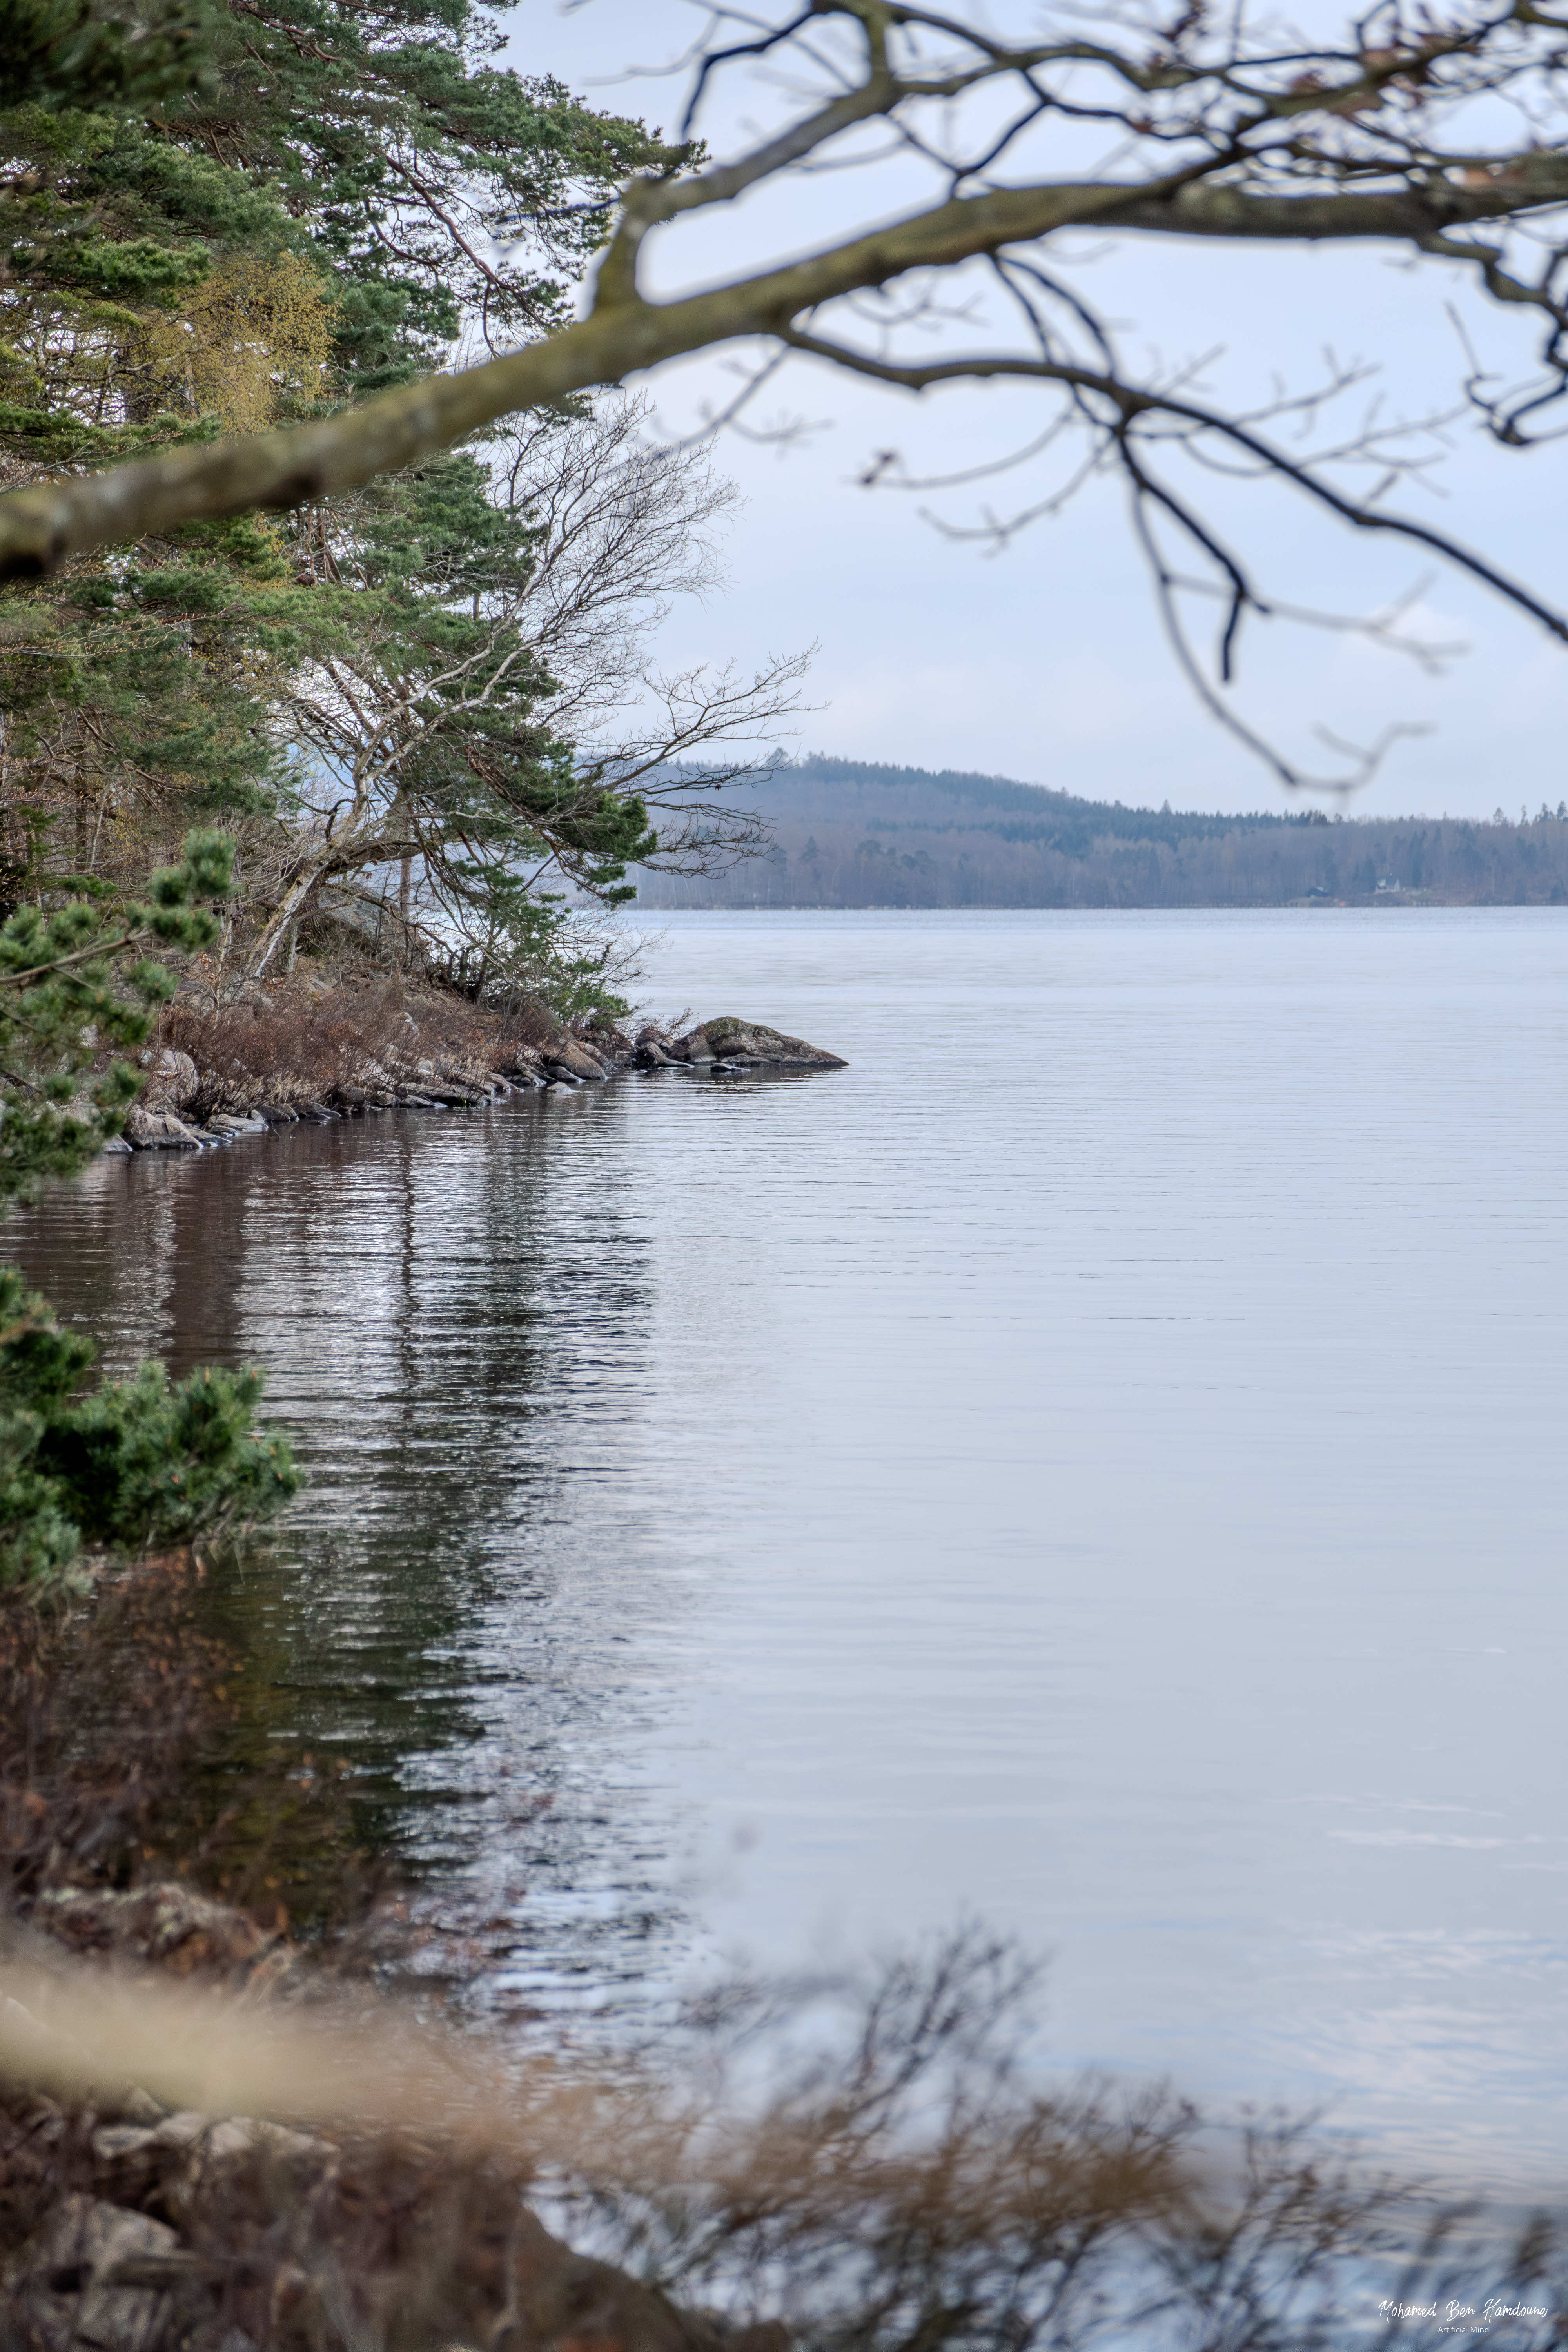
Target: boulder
[(166, 1925), (748, 1043), (652, 1055), (694, 1047), (612, 1046), (172, 1075), (148, 1130), (173, 2161), (71, 2294), (571, 1053)]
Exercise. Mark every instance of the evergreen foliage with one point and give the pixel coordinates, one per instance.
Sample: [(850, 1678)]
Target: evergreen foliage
[(62, 1005), (217, 216), (259, 212), (84, 53), (412, 156), (140, 1461), (418, 723)]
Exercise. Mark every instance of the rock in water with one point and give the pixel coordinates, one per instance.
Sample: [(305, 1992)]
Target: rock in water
[(159, 1131), (579, 1061), (748, 1042)]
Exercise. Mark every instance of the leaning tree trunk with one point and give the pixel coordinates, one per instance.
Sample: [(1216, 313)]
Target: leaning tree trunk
[(287, 912)]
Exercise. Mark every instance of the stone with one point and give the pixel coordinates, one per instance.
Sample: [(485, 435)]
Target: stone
[(570, 1054), (139, 2107), (171, 1926), (66, 2292), (694, 1046), (729, 1040), (115, 1145), (149, 1130), (172, 1076), (196, 2146), (612, 1046), (114, 2143), (652, 1055)]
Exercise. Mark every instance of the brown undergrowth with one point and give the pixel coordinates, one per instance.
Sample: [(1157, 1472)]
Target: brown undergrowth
[(306, 1040), (126, 1763), (898, 2184)]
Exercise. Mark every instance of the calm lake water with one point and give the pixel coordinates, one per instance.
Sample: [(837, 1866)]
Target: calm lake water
[(1096, 1463)]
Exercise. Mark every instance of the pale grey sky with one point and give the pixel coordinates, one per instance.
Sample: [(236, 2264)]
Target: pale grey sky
[(1048, 662)]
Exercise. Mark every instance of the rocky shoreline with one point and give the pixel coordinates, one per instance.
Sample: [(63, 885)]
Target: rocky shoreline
[(137, 2225), (132, 2218), (223, 2133), (204, 1090)]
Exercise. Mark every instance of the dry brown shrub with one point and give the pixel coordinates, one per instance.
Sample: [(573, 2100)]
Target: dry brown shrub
[(127, 1761), (905, 2187), (286, 1048), (295, 1043), (102, 1708)]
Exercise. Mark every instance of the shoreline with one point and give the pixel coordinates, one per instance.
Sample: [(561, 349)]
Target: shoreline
[(307, 1053)]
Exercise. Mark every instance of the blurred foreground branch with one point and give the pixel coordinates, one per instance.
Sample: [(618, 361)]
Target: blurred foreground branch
[(866, 2169)]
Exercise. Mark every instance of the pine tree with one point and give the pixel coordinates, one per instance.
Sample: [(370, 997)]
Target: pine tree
[(420, 724), (140, 1461), (212, 222)]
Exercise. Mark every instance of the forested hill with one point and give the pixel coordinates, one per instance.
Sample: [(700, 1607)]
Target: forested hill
[(847, 834)]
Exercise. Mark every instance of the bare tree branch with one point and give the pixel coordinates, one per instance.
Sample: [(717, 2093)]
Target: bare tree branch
[(1221, 132)]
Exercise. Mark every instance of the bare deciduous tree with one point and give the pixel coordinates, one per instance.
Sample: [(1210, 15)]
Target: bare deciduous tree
[(625, 527), (425, 793), (1442, 132)]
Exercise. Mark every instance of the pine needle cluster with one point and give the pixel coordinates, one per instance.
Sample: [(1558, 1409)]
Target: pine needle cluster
[(131, 1463)]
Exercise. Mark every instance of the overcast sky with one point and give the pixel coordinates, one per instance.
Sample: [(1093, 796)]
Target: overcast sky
[(1048, 662)]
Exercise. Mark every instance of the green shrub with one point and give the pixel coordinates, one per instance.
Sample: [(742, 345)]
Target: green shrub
[(135, 1463), (139, 1462)]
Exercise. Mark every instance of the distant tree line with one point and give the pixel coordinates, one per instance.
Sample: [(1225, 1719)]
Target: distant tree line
[(848, 834)]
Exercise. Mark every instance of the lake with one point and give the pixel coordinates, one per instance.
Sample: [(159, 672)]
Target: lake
[(1094, 1464)]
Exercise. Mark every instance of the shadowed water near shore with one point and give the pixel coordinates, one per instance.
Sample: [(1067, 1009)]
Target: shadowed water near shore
[(1094, 1463), (463, 1608)]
